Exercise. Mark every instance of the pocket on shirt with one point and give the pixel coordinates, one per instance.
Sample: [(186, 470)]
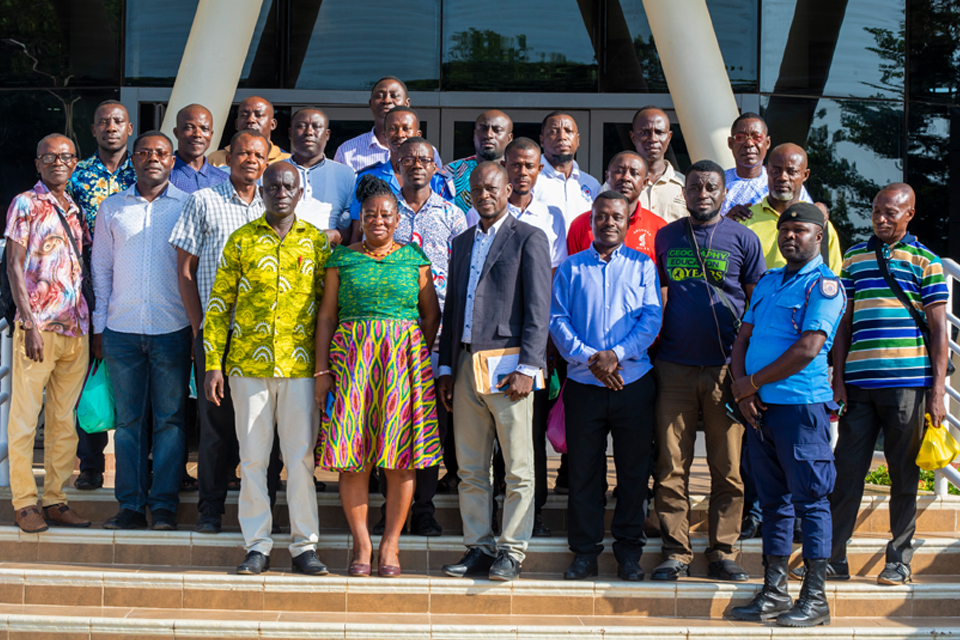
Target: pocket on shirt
[(787, 311)]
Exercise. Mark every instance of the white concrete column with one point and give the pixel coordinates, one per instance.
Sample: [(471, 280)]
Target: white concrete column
[(696, 76), (213, 59)]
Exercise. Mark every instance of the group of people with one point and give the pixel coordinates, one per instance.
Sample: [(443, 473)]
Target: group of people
[(380, 312)]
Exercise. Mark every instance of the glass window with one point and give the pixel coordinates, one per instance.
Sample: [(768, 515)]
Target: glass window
[(352, 45), (157, 33), (847, 49), (935, 51), (635, 65), (36, 114), (72, 44), (932, 153), (854, 148), (505, 45)]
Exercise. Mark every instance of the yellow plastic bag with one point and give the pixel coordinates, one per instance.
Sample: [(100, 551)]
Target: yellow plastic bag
[(938, 448)]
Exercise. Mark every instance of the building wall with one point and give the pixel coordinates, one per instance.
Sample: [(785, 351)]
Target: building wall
[(868, 86)]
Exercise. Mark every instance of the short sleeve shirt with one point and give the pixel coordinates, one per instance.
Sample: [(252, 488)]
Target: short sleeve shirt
[(91, 183), (51, 269)]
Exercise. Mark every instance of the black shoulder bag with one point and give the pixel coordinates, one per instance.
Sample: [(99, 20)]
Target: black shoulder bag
[(86, 281), (902, 297), (706, 277)]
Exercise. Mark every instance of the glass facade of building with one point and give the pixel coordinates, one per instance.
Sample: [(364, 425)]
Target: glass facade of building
[(869, 87)]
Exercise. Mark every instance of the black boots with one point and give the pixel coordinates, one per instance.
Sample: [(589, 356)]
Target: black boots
[(811, 607), (773, 598)]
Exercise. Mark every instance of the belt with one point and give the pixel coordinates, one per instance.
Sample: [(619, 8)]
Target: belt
[(466, 346)]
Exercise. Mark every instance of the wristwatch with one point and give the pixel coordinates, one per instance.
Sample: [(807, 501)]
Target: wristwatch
[(26, 325)]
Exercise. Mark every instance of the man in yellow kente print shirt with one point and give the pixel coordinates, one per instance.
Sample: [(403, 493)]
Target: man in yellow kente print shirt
[(270, 281)]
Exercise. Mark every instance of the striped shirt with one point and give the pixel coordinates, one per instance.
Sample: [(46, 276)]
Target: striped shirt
[(365, 150), (750, 191), (209, 217), (887, 348)]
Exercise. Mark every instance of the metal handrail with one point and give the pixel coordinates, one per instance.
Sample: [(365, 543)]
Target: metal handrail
[(6, 392), (949, 474)]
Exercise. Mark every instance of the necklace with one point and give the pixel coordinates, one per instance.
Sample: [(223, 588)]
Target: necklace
[(376, 255)]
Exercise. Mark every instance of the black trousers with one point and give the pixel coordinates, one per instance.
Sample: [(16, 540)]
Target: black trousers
[(590, 413), (898, 414)]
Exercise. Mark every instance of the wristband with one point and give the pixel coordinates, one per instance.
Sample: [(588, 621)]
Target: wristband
[(321, 373), (754, 384)]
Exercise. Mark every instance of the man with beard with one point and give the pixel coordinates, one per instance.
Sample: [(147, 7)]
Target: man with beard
[(401, 123), (651, 135), (708, 268), (786, 172), (626, 174), (492, 132), (781, 384), (604, 315), (562, 185)]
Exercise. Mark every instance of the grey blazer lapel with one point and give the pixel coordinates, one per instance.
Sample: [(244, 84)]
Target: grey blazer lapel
[(499, 242)]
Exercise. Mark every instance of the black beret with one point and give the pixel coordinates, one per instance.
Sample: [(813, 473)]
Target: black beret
[(803, 212)]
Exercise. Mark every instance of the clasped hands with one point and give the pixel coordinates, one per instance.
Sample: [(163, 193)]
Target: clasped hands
[(605, 366)]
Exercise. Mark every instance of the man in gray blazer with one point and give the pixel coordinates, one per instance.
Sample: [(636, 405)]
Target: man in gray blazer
[(498, 297)]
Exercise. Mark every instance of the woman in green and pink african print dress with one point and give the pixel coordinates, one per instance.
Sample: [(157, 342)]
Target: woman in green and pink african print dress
[(377, 323)]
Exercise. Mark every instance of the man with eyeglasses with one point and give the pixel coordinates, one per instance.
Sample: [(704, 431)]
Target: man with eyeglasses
[(142, 331), (106, 172), (492, 132), (401, 124), (327, 185), (747, 182), (430, 222), (651, 135), (372, 147), (194, 133), (209, 217), (50, 347)]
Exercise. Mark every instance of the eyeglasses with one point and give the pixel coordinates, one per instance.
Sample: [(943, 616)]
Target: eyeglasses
[(144, 154), (740, 138), (50, 158), (409, 161)]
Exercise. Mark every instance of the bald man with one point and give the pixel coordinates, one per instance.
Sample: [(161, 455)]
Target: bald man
[(651, 135), (253, 114), (888, 376), (194, 133), (492, 132), (786, 172)]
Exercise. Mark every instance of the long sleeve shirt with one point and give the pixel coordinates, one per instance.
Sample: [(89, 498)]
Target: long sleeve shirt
[(134, 267), (600, 306)]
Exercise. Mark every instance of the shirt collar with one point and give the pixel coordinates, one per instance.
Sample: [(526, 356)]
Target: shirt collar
[(43, 193), (493, 229), (907, 239), (553, 174), (231, 191), (807, 268), (175, 194), (323, 161), (298, 224), (183, 166), (617, 253), (434, 201), (376, 143), (669, 175), (98, 164)]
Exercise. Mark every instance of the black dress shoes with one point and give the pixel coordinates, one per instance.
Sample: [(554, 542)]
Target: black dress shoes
[(750, 528), (254, 564), (425, 525), (540, 530), (727, 570), (582, 567), (630, 571), (473, 563), (309, 563), (88, 480), (504, 568), (670, 570)]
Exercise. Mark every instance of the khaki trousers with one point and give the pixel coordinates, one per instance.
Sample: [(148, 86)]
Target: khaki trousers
[(478, 419), (288, 403), (684, 393), (61, 373)]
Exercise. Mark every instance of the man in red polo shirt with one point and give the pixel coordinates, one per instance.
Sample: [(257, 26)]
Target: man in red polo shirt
[(626, 174)]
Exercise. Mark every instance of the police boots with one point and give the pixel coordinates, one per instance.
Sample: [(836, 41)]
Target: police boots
[(773, 598), (811, 607)]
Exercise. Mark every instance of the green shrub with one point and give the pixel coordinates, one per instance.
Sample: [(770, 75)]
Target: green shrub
[(881, 476)]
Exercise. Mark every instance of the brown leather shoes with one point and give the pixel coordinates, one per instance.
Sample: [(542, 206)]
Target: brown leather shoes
[(61, 515), (29, 519)]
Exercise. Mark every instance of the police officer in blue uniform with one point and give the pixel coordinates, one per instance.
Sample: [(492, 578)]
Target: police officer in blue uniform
[(779, 363)]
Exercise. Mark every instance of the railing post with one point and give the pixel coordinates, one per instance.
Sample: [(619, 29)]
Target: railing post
[(6, 393)]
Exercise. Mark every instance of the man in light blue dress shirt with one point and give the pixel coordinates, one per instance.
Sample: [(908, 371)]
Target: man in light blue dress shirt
[(605, 313)]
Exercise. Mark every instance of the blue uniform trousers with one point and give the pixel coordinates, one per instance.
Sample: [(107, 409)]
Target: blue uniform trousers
[(792, 464)]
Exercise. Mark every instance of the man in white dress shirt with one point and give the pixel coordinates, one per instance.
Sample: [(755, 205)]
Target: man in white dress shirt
[(562, 185), (143, 332)]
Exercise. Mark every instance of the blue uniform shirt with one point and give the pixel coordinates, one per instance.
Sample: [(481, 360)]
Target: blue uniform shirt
[(811, 300), (383, 170), (601, 305)]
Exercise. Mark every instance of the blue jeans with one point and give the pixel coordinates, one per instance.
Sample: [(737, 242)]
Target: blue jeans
[(154, 368)]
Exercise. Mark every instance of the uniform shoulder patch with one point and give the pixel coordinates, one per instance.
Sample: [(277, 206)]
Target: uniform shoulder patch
[(829, 287)]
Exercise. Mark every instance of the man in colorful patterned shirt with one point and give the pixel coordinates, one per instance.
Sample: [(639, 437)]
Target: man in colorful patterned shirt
[(103, 174), (50, 349), (887, 374), (492, 132), (269, 279)]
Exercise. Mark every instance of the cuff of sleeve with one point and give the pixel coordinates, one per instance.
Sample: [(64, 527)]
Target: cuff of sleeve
[(527, 370), (444, 370), (620, 352)]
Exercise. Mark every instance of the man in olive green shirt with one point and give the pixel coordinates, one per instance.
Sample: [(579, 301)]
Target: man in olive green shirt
[(269, 280)]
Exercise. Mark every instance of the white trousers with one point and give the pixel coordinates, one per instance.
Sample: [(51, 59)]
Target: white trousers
[(288, 403)]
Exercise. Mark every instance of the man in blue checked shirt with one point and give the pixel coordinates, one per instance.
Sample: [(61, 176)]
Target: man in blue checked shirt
[(605, 314), (779, 364)]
